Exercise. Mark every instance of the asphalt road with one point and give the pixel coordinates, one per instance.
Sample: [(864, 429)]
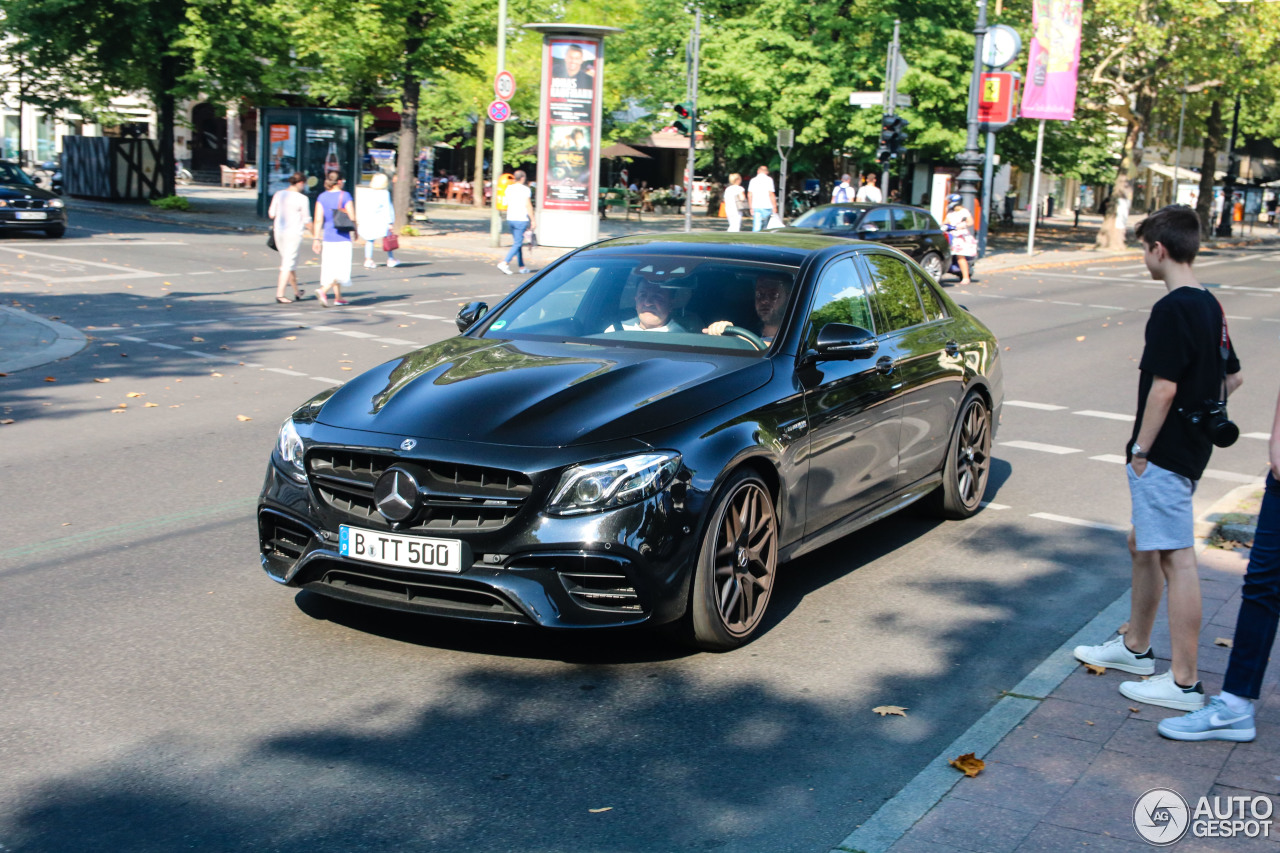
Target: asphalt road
[(160, 693)]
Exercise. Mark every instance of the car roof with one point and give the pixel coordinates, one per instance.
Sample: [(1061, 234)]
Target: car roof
[(774, 247)]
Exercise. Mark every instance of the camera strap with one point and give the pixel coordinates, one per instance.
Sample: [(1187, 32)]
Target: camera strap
[(1224, 352)]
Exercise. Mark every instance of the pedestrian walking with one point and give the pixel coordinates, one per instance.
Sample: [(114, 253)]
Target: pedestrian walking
[(376, 218), (334, 221), (869, 192), (843, 191), (1229, 715), (290, 214), (735, 198), (520, 218), (763, 199), (959, 227), (1187, 362)]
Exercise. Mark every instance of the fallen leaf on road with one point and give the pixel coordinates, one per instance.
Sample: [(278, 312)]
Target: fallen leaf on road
[(55, 317), (224, 346), (1134, 710), (198, 340), (134, 394), (110, 345), (4, 374), (1094, 670), (102, 380), (1079, 337), (597, 811), (215, 373), (968, 764), (291, 338), (345, 361), (150, 405), (6, 421), (175, 405), (1089, 722), (1223, 641), (50, 379), (243, 418), (886, 710), (345, 368)]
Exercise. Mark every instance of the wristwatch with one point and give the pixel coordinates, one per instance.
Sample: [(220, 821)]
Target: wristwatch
[(1137, 451)]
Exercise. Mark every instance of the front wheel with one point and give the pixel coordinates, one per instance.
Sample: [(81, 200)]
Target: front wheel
[(932, 264), (736, 567), (968, 464)]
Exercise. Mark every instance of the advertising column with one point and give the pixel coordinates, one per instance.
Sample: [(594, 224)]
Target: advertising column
[(568, 167)]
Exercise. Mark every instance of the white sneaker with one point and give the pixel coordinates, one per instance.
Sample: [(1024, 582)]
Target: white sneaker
[(369, 265), (392, 262), (524, 270), (1116, 655), (502, 265), (1214, 721), (1162, 690)]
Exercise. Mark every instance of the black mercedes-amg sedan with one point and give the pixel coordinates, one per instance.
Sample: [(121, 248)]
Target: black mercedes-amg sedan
[(644, 432)]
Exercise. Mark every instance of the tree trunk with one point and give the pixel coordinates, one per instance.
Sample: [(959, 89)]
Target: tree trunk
[(1115, 221), (407, 149), (477, 186), (1213, 131), (166, 118)]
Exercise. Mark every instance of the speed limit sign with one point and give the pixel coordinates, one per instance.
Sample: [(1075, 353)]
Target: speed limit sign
[(504, 85)]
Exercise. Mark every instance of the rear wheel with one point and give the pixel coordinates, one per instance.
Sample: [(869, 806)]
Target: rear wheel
[(932, 264), (968, 464), (736, 565)]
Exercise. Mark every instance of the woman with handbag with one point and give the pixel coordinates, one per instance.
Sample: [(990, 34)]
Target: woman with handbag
[(735, 199), (377, 218), (290, 215), (333, 225)]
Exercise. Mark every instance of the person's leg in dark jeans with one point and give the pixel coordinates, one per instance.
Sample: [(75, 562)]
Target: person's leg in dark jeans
[(1260, 602)]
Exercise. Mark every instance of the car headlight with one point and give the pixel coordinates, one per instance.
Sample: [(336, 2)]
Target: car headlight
[(57, 202), (606, 485), (289, 449)]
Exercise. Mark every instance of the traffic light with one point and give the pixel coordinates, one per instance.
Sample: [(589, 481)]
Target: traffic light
[(686, 120), (893, 138)]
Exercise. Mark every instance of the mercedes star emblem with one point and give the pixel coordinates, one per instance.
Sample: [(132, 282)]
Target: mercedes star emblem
[(396, 495)]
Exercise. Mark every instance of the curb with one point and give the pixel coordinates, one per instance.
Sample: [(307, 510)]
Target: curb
[(896, 816), (67, 341)]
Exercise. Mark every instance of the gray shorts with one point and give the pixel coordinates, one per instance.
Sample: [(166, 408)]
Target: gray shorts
[(1162, 516)]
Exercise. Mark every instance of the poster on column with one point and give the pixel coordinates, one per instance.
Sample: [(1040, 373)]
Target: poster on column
[(282, 153), (565, 166), (1054, 60)]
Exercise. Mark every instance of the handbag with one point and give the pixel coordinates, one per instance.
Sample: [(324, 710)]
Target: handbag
[(390, 243), (775, 221), (271, 240), (342, 221)]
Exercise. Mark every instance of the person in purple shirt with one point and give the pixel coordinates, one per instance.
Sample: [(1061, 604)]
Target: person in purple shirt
[(333, 243)]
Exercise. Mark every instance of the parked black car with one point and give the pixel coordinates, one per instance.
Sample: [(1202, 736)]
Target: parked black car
[(562, 463), (910, 230), (23, 205)]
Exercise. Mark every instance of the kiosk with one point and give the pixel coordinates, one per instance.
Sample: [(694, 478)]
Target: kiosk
[(311, 141)]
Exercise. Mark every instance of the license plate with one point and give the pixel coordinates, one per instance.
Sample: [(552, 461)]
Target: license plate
[(31, 214), (392, 549)]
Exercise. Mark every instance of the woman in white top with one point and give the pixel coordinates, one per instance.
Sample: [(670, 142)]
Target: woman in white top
[(290, 214), (376, 217), (734, 200)]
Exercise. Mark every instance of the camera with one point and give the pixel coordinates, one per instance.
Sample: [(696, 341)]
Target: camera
[(1212, 418)]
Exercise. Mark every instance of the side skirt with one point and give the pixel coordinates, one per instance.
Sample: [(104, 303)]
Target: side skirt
[(844, 527)]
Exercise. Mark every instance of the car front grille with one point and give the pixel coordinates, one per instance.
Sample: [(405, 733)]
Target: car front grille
[(455, 498), (27, 203)]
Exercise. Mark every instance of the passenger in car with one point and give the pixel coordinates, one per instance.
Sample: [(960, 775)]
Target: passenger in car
[(653, 311), (772, 292)]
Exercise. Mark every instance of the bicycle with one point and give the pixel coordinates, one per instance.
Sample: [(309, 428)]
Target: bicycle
[(182, 175)]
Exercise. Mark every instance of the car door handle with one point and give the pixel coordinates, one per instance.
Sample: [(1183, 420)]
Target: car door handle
[(952, 348), (885, 365)]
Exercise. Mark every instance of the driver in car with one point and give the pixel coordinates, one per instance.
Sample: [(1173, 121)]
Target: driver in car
[(653, 311), (772, 291)]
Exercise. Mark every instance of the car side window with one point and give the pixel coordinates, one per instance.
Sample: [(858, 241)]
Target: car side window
[(925, 222), (933, 307), (840, 297), (895, 292), (904, 220), (876, 219)]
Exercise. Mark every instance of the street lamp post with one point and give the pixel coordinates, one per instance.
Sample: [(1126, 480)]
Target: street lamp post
[(969, 179)]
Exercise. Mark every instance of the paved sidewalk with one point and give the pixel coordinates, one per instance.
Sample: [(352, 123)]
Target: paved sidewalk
[(1067, 757)]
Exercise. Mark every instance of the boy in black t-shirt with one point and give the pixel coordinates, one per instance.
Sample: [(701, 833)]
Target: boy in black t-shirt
[(1182, 368)]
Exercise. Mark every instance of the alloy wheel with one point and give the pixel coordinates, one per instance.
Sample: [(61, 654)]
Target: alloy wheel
[(973, 454), (746, 558)]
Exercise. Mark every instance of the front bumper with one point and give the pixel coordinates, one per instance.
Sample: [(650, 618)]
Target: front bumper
[(623, 567), (53, 217)]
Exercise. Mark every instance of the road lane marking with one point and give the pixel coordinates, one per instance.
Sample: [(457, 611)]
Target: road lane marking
[(1110, 457), (1108, 307), (1229, 476), (164, 346), (1265, 436), (1042, 448), (1080, 522), (281, 370), (990, 505), (1111, 416), (1023, 404), (354, 334)]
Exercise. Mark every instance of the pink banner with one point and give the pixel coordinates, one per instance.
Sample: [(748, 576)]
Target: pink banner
[(1054, 60)]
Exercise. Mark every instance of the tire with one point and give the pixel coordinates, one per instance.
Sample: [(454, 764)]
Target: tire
[(55, 231), (737, 564), (968, 464), (932, 264)]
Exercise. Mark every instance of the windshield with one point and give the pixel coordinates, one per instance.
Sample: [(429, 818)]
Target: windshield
[(655, 301), (828, 218), (11, 174)]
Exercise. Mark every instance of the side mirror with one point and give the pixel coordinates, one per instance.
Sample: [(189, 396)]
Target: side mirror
[(471, 314), (844, 342)]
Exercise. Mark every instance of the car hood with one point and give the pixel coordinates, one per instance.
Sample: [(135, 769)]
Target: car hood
[(23, 191), (539, 393)]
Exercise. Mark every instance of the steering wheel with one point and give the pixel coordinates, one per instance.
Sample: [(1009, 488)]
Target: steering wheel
[(747, 335)]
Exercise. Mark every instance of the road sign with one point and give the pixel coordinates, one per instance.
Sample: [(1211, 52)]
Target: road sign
[(867, 100), (504, 85), (997, 100), (499, 111)]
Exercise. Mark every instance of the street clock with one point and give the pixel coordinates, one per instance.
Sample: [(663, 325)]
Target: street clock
[(1001, 46)]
